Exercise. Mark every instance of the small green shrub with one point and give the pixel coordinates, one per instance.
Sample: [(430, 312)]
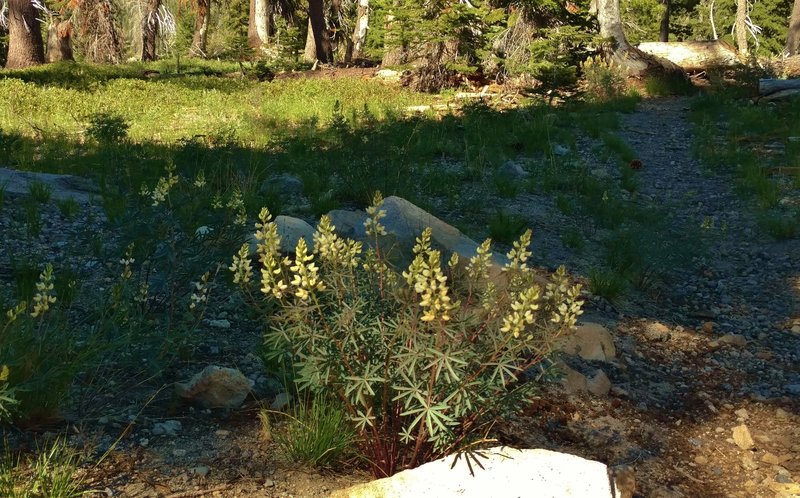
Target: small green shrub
[(604, 81), (40, 192), (51, 474), (107, 128), (573, 239), (780, 226), (607, 284), (505, 227), (506, 186), (33, 217), (7, 399), (69, 208), (423, 361), (317, 433)]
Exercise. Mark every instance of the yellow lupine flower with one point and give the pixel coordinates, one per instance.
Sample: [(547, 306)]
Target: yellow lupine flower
[(305, 278), (43, 297), (241, 268)]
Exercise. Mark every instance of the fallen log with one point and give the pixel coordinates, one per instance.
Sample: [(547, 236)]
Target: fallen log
[(783, 94), (694, 55), (770, 86)]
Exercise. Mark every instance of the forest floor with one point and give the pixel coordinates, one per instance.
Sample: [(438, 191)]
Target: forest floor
[(714, 346)]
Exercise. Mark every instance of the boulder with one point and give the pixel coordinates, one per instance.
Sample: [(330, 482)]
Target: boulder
[(62, 187), (499, 472), (283, 184), (590, 341), (215, 387), (599, 385), (742, 437), (573, 382), (291, 230), (513, 170)]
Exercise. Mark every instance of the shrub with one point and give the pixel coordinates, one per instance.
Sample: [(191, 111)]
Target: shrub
[(604, 82), (40, 352), (607, 284), (107, 128), (506, 227), (422, 361)]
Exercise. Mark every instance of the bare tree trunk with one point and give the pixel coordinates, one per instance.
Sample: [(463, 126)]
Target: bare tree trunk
[(59, 41), (150, 30), (310, 51), (629, 59), (711, 19), (25, 46), (252, 33), (741, 26), (98, 36), (316, 19), (360, 30), (261, 13), (793, 40), (663, 33), (200, 38)]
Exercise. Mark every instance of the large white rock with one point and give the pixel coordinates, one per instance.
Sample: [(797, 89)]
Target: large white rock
[(62, 187), (506, 473)]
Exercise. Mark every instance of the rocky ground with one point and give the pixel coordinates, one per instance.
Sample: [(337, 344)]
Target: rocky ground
[(700, 394)]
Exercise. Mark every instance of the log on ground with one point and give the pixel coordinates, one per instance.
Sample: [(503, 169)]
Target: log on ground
[(694, 55)]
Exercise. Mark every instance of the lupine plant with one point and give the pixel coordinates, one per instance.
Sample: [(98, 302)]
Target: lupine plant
[(422, 360)]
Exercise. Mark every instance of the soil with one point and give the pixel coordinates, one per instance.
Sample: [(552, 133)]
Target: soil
[(678, 391)]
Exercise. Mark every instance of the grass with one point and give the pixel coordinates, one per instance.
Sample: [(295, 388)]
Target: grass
[(506, 227), (40, 192), (316, 433), (51, 474), (607, 284), (755, 142), (69, 208)]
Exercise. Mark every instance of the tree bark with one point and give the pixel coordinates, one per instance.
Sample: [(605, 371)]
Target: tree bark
[(663, 32), (316, 24), (25, 46), (741, 26), (793, 40), (150, 31), (200, 38), (99, 37), (630, 60), (252, 33), (59, 41), (768, 86), (360, 30), (261, 13)]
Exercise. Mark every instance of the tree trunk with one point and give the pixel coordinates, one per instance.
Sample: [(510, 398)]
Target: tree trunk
[(200, 37), (663, 33), (316, 21), (59, 41), (150, 31), (25, 47), (360, 30), (98, 36), (261, 13), (768, 86), (632, 61), (310, 51), (793, 40), (741, 26), (252, 33), (694, 55)]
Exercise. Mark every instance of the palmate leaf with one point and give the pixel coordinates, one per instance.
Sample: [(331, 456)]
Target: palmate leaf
[(361, 386), (444, 361)]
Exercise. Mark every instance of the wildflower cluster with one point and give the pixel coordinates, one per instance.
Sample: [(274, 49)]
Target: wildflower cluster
[(428, 281), (201, 289), (241, 267), (268, 247), (14, 313), (419, 372), (200, 179), (332, 248), (43, 297), (305, 276), (236, 204), (373, 224), (160, 192), (126, 263)]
